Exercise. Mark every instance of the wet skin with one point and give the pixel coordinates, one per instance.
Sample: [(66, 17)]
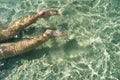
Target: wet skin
[(15, 48)]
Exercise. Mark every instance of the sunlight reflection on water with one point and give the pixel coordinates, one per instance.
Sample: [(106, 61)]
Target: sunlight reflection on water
[(90, 52)]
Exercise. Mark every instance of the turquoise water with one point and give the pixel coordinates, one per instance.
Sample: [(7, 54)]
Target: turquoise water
[(91, 51)]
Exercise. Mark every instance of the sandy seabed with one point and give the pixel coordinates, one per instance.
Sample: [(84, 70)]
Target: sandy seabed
[(91, 51)]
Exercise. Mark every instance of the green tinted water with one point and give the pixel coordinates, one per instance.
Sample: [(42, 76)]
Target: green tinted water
[(91, 51)]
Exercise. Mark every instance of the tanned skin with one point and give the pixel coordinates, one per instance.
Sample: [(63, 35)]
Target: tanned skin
[(15, 48)]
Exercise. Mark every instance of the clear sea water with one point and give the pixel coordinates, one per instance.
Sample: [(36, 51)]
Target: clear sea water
[(91, 51)]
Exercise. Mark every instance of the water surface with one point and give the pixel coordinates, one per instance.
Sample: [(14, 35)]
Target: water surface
[(91, 51)]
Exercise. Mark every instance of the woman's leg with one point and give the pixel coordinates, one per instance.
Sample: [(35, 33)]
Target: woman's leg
[(11, 49), (21, 24)]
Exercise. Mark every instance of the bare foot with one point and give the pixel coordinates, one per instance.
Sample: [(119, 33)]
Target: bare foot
[(48, 13), (55, 33)]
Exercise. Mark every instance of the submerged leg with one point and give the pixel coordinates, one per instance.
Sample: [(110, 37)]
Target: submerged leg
[(11, 49), (21, 24)]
